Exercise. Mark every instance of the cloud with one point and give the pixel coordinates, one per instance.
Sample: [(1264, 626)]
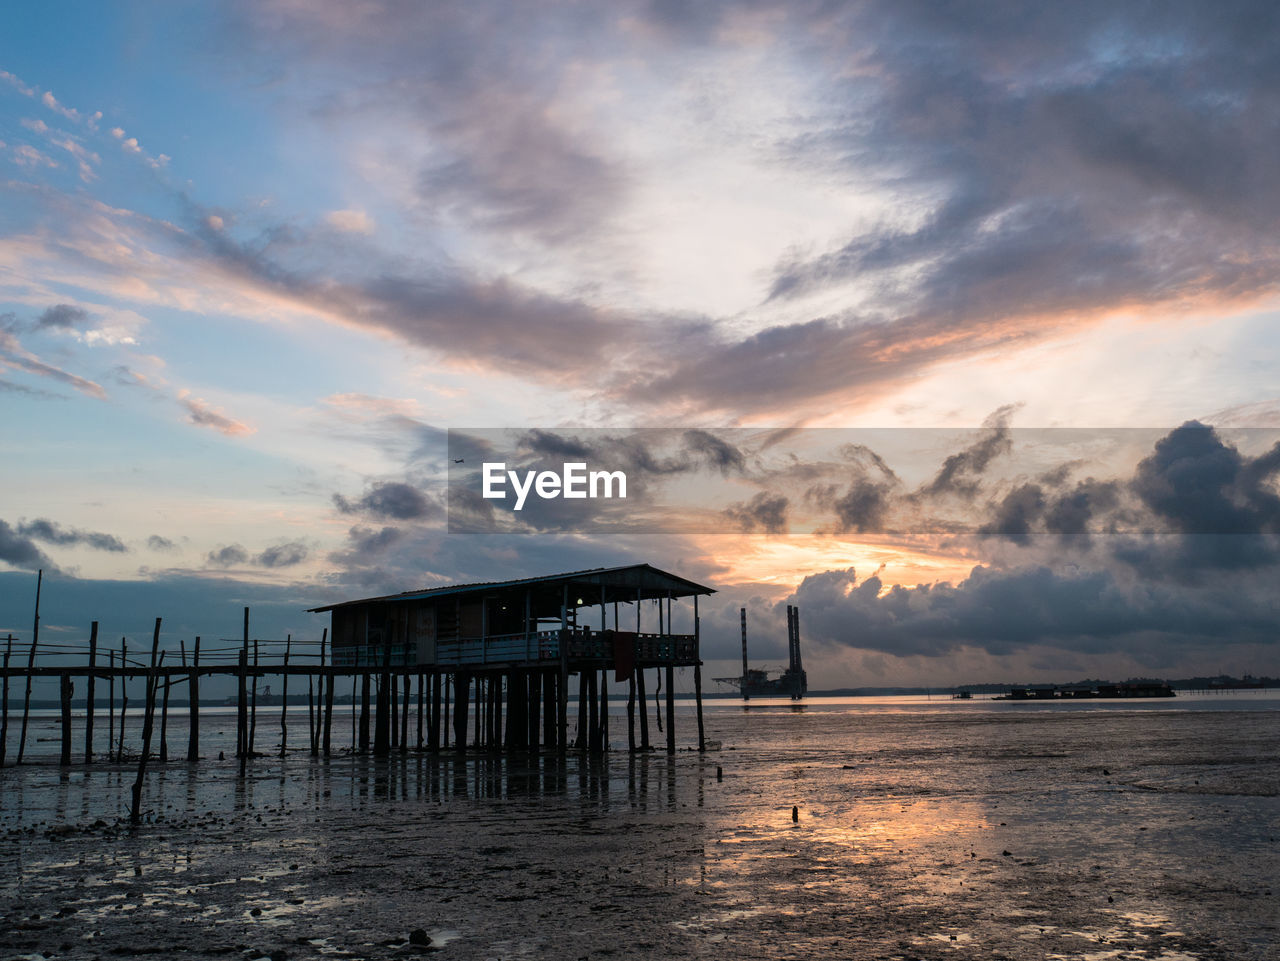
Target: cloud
[(229, 555), (200, 413), (765, 511), (62, 317), (50, 532), (19, 550), (350, 221), (392, 499), (283, 555), (50, 101), (157, 543)]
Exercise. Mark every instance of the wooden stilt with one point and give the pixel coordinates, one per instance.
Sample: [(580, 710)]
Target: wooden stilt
[(90, 693), (31, 663), (404, 714), (535, 695), (604, 709), (697, 673), (148, 719), (312, 730), (193, 736), (124, 694), (4, 701), (631, 711), (164, 717), (364, 713), (394, 701), (671, 709), (65, 697), (422, 679), (593, 709), (242, 705), (448, 693), (326, 685), (554, 711), (433, 726), (461, 695), (284, 698), (111, 704), (328, 706), (253, 703), (642, 699)]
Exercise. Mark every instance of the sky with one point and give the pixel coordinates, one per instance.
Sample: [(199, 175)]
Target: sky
[(257, 260)]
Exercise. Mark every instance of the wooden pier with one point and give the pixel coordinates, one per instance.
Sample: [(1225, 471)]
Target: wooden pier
[(485, 666)]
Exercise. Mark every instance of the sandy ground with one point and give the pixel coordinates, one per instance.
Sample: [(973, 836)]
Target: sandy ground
[(966, 834)]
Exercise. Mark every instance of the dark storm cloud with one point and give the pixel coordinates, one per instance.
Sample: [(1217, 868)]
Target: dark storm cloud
[(50, 532), (390, 499), (62, 317), (1004, 611), (961, 472), (1021, 508), (21, 551), (283, 555), (765, 512), (227, 556), (157, 543)]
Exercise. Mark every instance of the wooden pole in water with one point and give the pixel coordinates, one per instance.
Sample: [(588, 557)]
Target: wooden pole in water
[(422, 677), (148, 719), (461, 697), (550, 711), (353, 713), (242, 711), (31, 663), (445, 682), (193, 684), (364, 713), (697, 672), (671, 679), (90, 694), (404, 716), (640, 692), (164, 717), (433, 724), (4, 700), (284, 697), (111, 703), (242, 716), (328, 699), (65, 697), (253, 702), (124, 694)]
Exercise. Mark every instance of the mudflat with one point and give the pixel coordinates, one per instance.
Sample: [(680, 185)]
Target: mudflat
[(834, 831)]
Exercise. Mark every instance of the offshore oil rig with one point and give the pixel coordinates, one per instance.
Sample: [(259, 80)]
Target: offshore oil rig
[(793, 682)]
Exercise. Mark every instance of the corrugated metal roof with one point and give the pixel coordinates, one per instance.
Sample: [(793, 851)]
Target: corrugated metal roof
[(549, 579)]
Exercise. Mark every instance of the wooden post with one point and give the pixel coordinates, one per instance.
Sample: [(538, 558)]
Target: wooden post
[(422, 678), (394, 700), (31, 663), (448, 702), (313, 731), (193, 738), (562, 690), (461, 695), (641, 697), (253, 701), (593, 716), (242, 706), (550, 710), (476, 739), (4, 700), (164, 717), (65, 692), (364, 713), (242, 716), (91, 693), (671, 708), (148, 719), (433, 726), (535, 695), (284, 697), (328, 701), (404, 715), (111, 703), (697, 672), (124, 694)]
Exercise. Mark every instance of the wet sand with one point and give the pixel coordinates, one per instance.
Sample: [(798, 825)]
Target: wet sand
[(975, 832)]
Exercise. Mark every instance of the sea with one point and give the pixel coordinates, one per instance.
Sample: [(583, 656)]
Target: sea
[(859, 827)]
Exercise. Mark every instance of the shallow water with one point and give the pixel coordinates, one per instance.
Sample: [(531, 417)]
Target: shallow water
[(935, 830)]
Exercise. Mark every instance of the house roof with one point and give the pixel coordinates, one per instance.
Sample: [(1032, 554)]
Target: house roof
[(632, 581)]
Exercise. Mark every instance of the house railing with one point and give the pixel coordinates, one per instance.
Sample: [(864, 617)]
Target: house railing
[(532, 647)]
